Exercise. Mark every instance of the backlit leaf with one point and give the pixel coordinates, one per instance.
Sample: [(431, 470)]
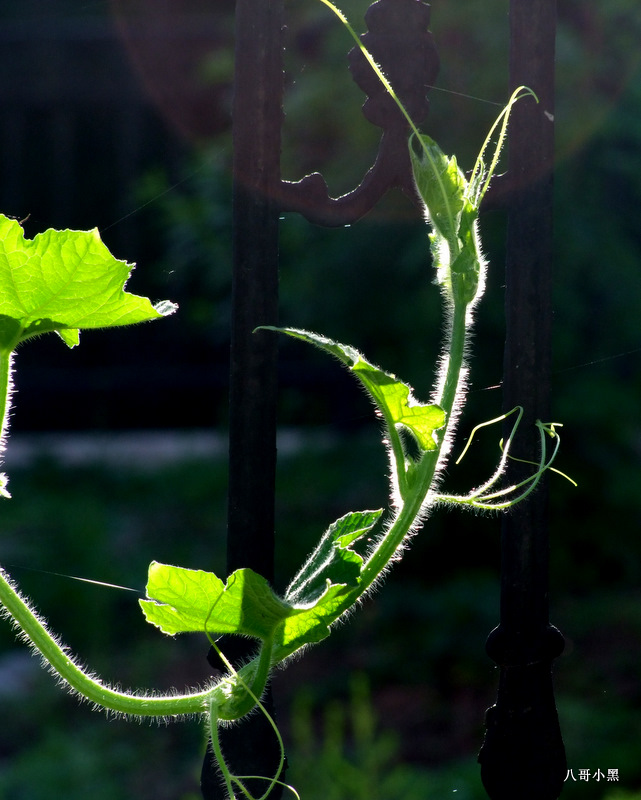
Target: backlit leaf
[(194, 601), (333, 560), (63, 281), (393, 398)]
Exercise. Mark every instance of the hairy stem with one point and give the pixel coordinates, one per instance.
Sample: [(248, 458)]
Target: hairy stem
[(89, 687), (448, 398), (450, 390), (6, 387), (6, 359), (218, 753)]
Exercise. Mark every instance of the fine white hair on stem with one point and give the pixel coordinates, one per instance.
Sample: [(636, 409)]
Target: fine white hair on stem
[(33, 630)]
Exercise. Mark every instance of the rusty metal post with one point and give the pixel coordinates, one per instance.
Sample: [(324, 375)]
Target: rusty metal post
[(523, 754)]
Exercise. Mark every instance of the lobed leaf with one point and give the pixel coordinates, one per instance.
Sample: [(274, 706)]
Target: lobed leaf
[(64, 281), (194, 601)]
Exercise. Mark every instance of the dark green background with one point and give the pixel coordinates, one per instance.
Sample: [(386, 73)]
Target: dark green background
[(420, 642)]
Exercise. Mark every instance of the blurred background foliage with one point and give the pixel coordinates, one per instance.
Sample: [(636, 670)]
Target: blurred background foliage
[(413, 726)]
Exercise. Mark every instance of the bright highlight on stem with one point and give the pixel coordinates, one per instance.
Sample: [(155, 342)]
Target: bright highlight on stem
[(78, 680)]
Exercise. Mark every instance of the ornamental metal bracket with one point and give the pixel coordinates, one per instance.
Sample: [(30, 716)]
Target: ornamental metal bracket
[(399, 40)]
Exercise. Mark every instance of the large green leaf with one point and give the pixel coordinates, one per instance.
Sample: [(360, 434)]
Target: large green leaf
[(194, 601), (63, 281)]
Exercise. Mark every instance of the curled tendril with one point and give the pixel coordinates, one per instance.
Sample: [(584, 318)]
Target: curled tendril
[(214, 707), (483, 498)]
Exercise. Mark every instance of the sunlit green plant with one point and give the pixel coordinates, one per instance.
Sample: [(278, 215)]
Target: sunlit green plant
[(65, 281)]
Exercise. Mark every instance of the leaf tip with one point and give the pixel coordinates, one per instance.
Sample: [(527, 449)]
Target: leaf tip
[(165, 307)]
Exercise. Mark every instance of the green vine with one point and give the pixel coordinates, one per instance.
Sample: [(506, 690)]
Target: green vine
[(65, 281)]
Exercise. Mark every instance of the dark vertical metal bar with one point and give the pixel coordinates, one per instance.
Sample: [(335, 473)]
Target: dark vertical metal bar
[(257, 117), (528, 301), (523, 754), (251, 747)]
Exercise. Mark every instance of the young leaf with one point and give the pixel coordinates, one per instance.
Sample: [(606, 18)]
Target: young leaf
[(393, 398), (442, 187), (465, 274), (63, 281), (398, 405), (333, 561)]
